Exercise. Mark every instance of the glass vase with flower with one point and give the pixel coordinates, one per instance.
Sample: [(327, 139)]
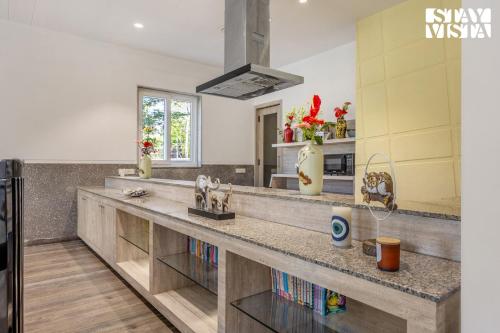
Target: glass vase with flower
[(147, 147)]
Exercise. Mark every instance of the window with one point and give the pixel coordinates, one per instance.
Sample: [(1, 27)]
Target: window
[(172, 120)]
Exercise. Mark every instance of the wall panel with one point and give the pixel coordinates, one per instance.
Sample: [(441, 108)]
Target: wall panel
[(409, 105)]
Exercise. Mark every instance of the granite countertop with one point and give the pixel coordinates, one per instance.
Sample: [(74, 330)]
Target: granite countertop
[(332, 199), (423, 276)]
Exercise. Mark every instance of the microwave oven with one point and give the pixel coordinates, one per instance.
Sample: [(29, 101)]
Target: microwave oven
[(339, 164)]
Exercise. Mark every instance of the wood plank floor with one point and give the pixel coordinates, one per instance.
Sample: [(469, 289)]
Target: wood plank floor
[(68, 289)]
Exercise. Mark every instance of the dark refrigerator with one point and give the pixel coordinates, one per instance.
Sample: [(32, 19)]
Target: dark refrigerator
[(11, 246)]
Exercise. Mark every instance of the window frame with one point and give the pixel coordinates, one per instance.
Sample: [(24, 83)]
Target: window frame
[(195, 161)]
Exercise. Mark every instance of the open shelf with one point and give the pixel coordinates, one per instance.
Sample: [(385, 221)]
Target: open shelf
[(138, 245), (325, 177), (280, 315), (195, 306), (194, 268), (132, 246), (138, 269), (303, 143)]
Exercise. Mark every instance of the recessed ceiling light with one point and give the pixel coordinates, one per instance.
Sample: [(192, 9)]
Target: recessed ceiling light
[(138, 25), (303, 1)]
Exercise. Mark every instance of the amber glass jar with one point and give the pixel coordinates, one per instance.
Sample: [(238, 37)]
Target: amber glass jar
[(388, 253)]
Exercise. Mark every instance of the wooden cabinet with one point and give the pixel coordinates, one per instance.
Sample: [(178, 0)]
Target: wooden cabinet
[(82, 224), (108, 234), (96, 226)]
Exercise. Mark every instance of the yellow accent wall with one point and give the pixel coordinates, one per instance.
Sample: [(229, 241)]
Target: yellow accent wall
[(408, 106)]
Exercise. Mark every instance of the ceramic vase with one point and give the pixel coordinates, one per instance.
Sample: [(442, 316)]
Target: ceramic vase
[(310, 169), (145, 167), (288, 135), (340, 128)]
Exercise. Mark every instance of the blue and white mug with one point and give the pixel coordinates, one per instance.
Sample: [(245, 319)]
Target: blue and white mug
[(341, 226)]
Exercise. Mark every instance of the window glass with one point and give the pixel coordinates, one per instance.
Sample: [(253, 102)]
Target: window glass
[(153, 121), (170, 121), (180, 130)]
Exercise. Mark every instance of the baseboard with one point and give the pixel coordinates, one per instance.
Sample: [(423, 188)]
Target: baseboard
[(49, 240)]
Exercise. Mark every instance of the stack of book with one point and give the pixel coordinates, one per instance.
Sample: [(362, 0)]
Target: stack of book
[(317, 298), (203, 250)]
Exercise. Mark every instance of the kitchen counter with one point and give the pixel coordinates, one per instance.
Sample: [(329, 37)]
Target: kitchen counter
[(423, 276)]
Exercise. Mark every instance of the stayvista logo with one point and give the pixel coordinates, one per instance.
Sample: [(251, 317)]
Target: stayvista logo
[(458, 23)]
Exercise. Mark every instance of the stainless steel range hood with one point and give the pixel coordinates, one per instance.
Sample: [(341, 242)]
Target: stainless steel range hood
[(246, 55)]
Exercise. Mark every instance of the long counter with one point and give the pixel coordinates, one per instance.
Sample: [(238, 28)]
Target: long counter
[(419, 232), (424, 276), (145, 241)]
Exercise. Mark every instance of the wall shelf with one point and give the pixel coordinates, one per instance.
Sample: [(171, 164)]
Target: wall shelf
[(325, 177), (194, 268), (303, 143)]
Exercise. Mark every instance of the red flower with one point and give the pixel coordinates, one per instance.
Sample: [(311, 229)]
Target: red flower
[(313, 112), (316, 102), (308, 119), (147, 144), (313, 120), (315, 107), (302, 125), (291, 117), (339, 112)]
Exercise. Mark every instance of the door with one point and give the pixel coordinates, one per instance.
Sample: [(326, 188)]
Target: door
[(267, 132)]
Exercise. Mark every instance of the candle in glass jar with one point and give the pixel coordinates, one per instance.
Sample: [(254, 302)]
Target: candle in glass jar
[(341, 226), (388, 253)]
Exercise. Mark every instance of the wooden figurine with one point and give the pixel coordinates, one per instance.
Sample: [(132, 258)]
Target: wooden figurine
[(378, 186)]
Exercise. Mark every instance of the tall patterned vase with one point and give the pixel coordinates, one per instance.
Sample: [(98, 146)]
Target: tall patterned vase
[(340, 128), (310, 168), (145, 167)]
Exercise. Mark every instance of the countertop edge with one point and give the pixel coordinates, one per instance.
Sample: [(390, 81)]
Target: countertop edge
[(175, 182)]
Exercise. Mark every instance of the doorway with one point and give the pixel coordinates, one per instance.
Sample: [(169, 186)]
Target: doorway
[(267, 161)]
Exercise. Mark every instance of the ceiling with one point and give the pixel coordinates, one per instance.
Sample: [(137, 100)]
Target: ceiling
[(193, 29)]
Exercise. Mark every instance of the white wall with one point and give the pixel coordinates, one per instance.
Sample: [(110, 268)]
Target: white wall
[(65, 98), (480, 180), (330, 74)]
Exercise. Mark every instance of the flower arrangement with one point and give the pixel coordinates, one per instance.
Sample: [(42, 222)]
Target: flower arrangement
[(147, 145), (341, 126), (310, 123), (341, 112)]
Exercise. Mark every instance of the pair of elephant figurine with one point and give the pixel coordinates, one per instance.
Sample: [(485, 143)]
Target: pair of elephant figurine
[(207, 196)]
